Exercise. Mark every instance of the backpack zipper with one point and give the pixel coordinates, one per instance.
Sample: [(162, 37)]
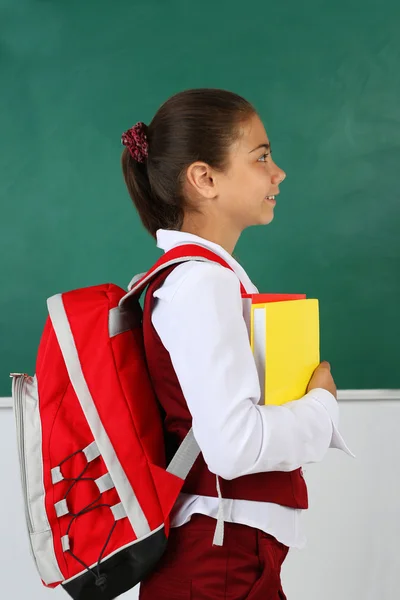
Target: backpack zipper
[(18, 389)]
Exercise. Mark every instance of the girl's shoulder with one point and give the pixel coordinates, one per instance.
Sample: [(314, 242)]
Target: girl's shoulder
[(189, 275)]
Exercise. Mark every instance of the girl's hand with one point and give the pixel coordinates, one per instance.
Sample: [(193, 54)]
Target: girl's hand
[(322, 378)]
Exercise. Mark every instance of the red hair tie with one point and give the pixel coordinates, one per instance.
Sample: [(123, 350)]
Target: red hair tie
[(135, 139)]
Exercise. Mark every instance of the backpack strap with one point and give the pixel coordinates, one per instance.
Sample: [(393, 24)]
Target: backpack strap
[(180, 254)]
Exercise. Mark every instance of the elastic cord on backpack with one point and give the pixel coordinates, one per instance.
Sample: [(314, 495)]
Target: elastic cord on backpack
[(100, 579)]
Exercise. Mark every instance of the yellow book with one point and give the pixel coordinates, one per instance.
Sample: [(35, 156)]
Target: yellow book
[(286, 344)]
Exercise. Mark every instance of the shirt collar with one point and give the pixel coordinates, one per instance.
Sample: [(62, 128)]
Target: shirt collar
[(170, 238)]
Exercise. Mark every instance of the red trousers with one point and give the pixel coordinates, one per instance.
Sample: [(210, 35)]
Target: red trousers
[(248, 565)]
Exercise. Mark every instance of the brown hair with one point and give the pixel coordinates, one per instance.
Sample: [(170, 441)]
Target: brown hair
[(199, 124)]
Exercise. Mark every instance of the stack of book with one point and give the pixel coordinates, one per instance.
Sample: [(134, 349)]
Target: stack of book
[(285, 339)]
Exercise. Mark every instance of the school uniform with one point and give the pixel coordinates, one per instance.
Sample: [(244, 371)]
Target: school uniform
[(204, 375)]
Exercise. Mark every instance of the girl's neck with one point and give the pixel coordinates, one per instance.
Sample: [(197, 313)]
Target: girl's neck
[(224, 236)]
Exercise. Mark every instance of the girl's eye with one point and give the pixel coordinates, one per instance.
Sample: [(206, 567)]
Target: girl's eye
[(264, 157)]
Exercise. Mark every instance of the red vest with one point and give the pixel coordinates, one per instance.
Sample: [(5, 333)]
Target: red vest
[(285, 488)]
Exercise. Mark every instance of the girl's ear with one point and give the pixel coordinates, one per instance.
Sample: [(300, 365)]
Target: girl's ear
[(201, 177)]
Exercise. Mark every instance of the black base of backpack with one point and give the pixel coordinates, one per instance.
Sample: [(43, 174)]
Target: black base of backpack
[(120, 572)]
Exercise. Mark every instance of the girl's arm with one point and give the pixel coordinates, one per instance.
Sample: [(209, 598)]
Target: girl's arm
[(199, 319)]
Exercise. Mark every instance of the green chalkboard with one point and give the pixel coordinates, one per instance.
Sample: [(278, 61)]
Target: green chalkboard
[(324, 77)]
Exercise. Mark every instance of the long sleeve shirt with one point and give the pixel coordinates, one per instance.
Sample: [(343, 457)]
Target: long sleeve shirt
[(198, 315)]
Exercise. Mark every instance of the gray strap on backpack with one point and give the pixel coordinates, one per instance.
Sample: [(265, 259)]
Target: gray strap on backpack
[(185, 456), (181, 464)]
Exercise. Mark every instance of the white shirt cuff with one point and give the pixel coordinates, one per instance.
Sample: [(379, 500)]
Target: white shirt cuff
[(330, 404)]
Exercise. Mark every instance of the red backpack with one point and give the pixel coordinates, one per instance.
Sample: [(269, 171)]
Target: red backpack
[(97, 492)]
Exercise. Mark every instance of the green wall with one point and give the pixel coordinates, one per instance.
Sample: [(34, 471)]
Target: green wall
[(325, 79)]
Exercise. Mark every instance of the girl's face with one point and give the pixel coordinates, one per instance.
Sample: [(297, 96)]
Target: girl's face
[(244, 191), (230, 201)]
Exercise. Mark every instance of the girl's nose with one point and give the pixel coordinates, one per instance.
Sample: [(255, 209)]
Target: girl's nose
[(279, 176)]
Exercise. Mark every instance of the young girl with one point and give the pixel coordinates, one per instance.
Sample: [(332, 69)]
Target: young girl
[(201, 173)]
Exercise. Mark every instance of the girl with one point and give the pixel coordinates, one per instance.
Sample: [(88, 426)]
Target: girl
[(201, 173)]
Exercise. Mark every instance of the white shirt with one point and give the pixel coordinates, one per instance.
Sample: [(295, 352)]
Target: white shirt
[(198, 315)]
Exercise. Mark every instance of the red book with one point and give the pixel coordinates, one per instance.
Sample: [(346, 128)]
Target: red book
[(249, 299), (260, 298)]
